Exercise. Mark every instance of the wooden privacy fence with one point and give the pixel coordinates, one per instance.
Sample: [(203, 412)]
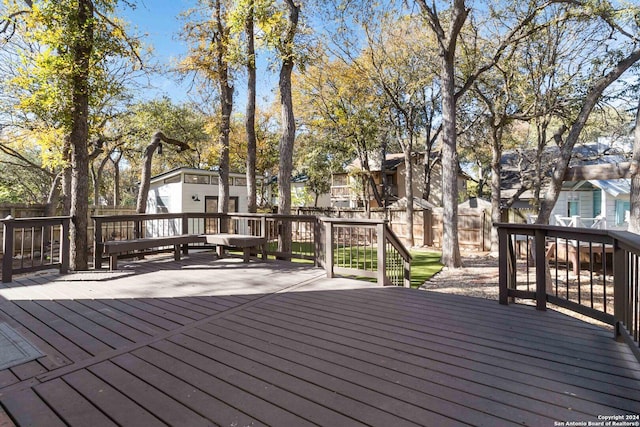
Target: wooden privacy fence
[(474, 224), (592, 272)]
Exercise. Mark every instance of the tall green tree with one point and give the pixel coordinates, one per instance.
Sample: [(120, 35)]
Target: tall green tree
[(78, 41), (208, 33)]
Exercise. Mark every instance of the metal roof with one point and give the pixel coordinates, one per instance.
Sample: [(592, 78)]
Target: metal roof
[(615, 187)]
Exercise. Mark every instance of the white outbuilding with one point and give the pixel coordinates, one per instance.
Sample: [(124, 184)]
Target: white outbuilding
[(195, 190)]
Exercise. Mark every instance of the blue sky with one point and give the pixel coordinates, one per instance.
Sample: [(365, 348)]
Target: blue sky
[(159, 20)]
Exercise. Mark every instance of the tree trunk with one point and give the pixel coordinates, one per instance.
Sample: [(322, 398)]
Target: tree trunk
[(450, 250), (145, 175), (447, 41), (226, 107), (81, 51), (634, 218), (116, 180), (54, 196), (288, 127), (250, 120), (408, 182), (496, 214)]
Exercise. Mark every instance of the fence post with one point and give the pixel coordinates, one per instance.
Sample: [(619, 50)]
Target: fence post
[(7, 250), (382, 254), (541, 270), (65, 246), (328, 248), (620, 296)]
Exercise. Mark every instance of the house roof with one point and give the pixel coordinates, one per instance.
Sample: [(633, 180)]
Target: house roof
[(614, 187), (515, 163), (392, 161), (181, 169)]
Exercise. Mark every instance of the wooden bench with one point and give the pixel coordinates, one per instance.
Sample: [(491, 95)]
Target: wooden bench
[(115, 247), (243, 241)]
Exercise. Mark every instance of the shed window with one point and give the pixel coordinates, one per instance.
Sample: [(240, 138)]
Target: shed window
[(172, 179), (190, 178)]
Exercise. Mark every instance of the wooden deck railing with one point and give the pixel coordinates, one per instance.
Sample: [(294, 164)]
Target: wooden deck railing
[(354, 243), (366, 248), (32, 244), (592, 272)]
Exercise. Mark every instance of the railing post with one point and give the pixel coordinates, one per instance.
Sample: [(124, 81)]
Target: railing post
[(503, 273), (382, 254), (317, 241), (541, 270), (328, 248), (185, 230), (65, 246), (7, 250), (97, 243), (620, 296)]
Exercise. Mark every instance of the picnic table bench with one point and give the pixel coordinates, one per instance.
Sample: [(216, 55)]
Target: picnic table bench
[(113, 248), (245, 242)]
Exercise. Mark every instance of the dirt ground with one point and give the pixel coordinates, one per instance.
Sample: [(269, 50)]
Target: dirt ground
[(477, 278)]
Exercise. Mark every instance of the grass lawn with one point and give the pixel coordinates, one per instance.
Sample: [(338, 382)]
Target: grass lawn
[(423, 266)]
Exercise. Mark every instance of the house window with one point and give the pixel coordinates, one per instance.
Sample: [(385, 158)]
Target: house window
[(173, 179), (597, 202), (240, 182), (340, 180), (190, 178), (622, 209), (214, 180), (573, 207)]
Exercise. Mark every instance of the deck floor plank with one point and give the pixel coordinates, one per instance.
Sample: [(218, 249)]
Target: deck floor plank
[(28, 370), (28, 409), (71, 406), (127, 306), (496, 365), (7, 378), (110, 401), (144, 329), (333, 348), (119, 326), (492, 347), (87, 325), (71, 332), (205, 342), (477, 320), (261, 398), (172, 320), (145, 395), (174, 309), (368, 404), (427, 393), (209, 395), (58, 348)]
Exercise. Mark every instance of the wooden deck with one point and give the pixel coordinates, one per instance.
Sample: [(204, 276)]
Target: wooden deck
[(205, 342)]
